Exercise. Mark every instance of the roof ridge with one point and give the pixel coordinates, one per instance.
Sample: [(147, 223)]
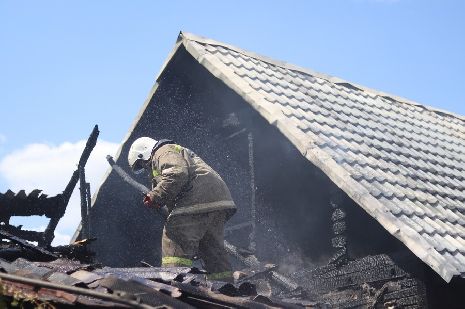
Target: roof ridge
[(329, 78)]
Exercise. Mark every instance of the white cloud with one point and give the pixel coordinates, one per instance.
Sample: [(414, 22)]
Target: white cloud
[(60, 238), (49, 168)]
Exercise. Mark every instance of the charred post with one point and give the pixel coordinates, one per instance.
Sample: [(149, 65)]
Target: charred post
[(50, 230), (338, 218), (253, 210), (83, 193), (88, 198)]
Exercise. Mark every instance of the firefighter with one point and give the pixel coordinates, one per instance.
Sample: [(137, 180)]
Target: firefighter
[(198, 199)]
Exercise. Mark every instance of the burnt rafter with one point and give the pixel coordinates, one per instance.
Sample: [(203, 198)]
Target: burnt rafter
[(25, 234), (33, 204)]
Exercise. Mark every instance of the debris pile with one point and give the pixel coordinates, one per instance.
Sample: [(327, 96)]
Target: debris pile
[(370, 282), (69, 283)]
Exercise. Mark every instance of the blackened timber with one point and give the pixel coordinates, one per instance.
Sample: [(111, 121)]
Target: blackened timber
[(77, 250), (88, 209), (368, 269), (83, 193), (90, 144), (339, 241), (252, 261), (253, 210), (23, 243), (368, 282), (34, 204), (13, 253), (24, 234)]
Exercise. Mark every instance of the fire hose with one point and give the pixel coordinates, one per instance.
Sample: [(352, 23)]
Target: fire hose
[(162, 210)]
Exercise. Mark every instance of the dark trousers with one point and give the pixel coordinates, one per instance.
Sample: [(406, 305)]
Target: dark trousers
[(202, 235)]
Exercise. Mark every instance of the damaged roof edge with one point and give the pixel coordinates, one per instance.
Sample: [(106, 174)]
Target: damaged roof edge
[(323, 161), (186, 36)]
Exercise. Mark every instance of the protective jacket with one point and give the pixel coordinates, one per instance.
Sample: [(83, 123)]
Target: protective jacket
[(185, 183)]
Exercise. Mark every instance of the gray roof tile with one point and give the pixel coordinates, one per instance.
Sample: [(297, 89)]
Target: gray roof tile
[(409, 158), (458, 260)]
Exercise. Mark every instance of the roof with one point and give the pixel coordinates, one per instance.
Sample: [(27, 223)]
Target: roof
[(402, 162), (68, 283)]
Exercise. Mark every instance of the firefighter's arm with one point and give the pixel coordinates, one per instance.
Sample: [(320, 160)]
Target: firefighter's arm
[(174, 175)]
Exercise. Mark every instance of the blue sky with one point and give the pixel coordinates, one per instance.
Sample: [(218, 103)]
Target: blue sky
[(67, 65)]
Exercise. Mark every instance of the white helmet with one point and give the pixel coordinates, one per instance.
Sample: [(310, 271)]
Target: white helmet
[(140, 152)]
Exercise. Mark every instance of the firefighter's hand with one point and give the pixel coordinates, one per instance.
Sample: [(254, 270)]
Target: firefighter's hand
[(148, 201)]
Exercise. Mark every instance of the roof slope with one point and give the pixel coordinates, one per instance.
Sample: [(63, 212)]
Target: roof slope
[(404, 163)]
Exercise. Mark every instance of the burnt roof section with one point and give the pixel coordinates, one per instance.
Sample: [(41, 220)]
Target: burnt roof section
[(402, 162), (69, 283)]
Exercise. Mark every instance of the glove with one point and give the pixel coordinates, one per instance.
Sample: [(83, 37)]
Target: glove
[(148, 201)]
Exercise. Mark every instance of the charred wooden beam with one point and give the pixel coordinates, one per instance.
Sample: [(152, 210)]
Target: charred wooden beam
[(25, 244), (25, 234), (339, 241), (33, 204), (90, 144), (88, 209), (252, 261), (253, 210), (83, 194), (78, 250), (369, 282)]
